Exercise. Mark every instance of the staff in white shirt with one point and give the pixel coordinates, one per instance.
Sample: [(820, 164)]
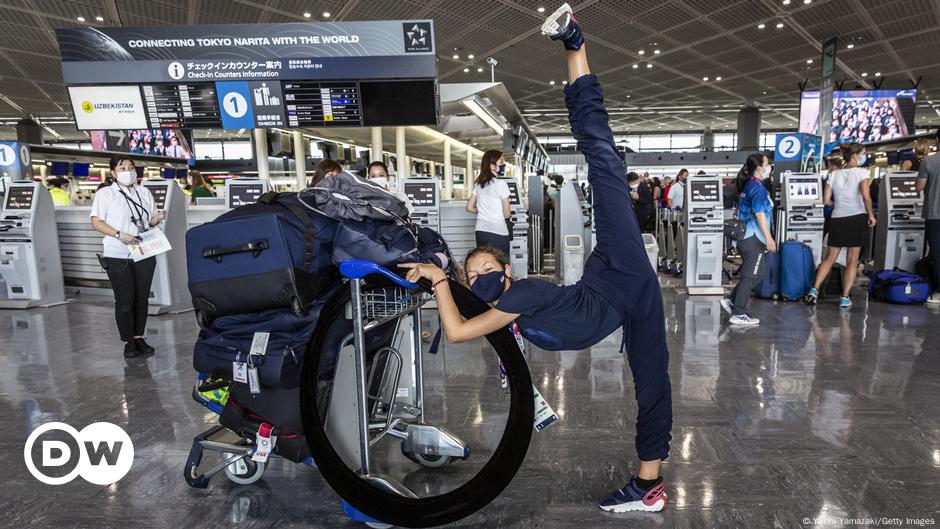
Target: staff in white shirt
[(121, 212), (676, 197)]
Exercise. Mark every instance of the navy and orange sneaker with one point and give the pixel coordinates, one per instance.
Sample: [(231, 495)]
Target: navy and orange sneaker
[(633, 498), (562, 25)]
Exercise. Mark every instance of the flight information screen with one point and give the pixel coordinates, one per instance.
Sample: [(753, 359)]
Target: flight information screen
[(803, 189), (20, 197), (322, 104), (192, 106), (244, 194), (709, 191), (904, 187), (421, 193)]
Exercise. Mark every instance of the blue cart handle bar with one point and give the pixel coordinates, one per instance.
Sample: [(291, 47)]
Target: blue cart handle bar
[(360, 268)]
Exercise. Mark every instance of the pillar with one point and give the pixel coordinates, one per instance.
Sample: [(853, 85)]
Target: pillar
[(402, 169), (448, 173), (749, 129), (377, 144), (300, 160), (468, 176), (261, 155)]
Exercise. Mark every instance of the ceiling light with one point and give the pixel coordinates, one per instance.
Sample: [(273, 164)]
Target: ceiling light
[(635, 66), (865, 74), (484, 116), (850, 46), (877, 74), (786, 2), (761, 26), (807, 1), (307, 15), (466, 70), (656, 52), (649, 65), (456, 57), (99, 18), (809, 61), (470, 56), (765, 93), (704, 78), (718, 78), (541, 10), (566, 82), (642, 52), (326, 14), (81, 19), (780, 25), (551, 82), (479, 70)]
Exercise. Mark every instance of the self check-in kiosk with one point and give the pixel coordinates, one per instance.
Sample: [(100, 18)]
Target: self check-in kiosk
[(572, 221), (704, 243), (802, 205), (425, 196), (169, 291), (899, 237), (30, 262), (243, 191), (519, 238)]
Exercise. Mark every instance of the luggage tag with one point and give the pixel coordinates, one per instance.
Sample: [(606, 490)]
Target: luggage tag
[(240, 372), (253, 386), (264, 443), (544, 414), (259, 343)]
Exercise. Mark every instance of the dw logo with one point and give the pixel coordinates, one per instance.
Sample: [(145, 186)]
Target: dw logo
[(102, 453)]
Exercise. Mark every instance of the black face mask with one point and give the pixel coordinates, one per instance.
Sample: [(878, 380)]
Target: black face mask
[(489, 286)]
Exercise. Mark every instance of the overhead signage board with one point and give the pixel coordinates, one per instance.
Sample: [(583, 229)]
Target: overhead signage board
[(107, 107), (249, 52), (191, 106)]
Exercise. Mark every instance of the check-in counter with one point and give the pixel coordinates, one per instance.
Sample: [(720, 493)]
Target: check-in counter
[(458, 228), (199, 215), (80, 245)]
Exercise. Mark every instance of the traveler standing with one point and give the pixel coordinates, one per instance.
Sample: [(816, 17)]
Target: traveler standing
[(490, 202), (642, 198), (851, 223), (657, 187), (378, 174), (928, 182), (675, 198), (121, 212), (756, 209), (324, 169), (200, 188)]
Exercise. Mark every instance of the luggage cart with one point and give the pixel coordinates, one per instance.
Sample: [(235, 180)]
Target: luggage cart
[(372, 392)]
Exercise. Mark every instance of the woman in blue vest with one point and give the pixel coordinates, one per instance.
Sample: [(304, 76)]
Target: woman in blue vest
[(618, 288)]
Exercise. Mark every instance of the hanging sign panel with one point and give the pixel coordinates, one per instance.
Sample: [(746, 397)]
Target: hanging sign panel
[(249, 52)]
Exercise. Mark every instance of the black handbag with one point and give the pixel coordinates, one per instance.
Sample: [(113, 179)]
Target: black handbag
[(735, 228)]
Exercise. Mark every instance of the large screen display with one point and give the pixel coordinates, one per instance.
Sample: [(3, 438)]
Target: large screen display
[(709, 191), (172, 143), (904, 187), (862, 116), (20, 197), (107, 107), (803, 189)]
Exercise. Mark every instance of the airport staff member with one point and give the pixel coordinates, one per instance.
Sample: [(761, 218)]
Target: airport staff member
[(490, 202), (59, 189), (120, 212), (200, 188), (676, 197), (928, 182)]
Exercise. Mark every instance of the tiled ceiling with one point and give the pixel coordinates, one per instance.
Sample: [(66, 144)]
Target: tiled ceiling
[(695, 38)]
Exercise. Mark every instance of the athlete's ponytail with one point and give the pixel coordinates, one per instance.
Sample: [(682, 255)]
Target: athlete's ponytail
[(747, 171)]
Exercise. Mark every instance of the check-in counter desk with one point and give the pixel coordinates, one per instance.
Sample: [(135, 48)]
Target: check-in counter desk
[(199, 215), (458, 228), (80, 245)]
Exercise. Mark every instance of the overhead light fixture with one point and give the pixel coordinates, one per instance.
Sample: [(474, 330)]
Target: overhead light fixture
[(479, 70), (786, 2), (850, 46), (807, 1), (704, 78), (718, 78), (307, 15), (761, 26), (326, 14), (649, 65), (864, 74), (877, 74), (541, 10), (780, 25), (484, 116), (566, 82), (99, 18), (80, 19), (466, 70), (456, 57), (642, 52), (656, 52), (809, 61), (635, 66), (471, 56), (551, 83)]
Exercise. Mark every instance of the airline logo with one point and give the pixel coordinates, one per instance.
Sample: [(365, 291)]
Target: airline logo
[(108, 107), (88, 107), (417, 37)]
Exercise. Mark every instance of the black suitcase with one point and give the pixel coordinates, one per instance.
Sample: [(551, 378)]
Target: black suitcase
[(268, 255), (244, 413)]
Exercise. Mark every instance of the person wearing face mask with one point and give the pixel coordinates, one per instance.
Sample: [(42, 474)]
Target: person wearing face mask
[(755, 208), (120, 212), (852, 220), (617, 289), (642, 198), (675, 198), (490, 202), (378, 174)]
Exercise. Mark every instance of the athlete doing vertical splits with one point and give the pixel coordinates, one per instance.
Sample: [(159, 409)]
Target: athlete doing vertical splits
[(618, 288)]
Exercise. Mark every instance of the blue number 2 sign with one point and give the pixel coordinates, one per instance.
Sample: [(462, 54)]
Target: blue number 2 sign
[(789, 147)]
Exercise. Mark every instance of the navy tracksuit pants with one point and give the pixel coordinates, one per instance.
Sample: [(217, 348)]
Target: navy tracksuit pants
[(619, 270)]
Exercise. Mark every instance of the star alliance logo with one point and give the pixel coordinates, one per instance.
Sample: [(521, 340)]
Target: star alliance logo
[(417, 37)]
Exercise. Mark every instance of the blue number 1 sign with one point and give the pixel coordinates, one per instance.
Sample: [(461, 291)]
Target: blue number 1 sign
[(234, 102)]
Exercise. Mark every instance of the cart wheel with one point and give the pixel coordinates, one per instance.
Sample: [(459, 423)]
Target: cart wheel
[(202, 320), (429, 461), (297, 306), (379, 525), (244, 471)]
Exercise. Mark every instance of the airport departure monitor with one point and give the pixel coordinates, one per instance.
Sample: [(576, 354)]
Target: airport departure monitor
[(421, 193), (19, 197), (903, 187), (803, 189), (705, 191), (244, 194)]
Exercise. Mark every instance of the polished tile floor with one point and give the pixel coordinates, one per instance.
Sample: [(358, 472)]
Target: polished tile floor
[(814, 414)]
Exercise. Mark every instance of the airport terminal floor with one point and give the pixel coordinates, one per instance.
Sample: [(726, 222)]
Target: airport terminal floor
[(815, 413)]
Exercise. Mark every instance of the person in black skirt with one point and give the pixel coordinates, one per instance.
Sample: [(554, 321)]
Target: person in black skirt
[(852, 220)]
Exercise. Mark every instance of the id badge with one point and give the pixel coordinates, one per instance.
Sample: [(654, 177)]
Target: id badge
[(253, 386), (240, 372)]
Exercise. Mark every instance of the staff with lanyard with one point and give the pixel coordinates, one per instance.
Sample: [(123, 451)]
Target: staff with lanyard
[(121, 212)]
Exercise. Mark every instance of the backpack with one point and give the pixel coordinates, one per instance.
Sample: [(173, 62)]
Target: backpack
[(348, 197), (898, 286)]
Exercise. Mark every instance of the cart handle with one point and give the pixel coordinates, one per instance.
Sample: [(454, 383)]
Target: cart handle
[(359, 268)]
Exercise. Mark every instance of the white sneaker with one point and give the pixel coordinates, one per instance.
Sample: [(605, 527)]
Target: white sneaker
[(743, 319), (727, 305), (934, 299)]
